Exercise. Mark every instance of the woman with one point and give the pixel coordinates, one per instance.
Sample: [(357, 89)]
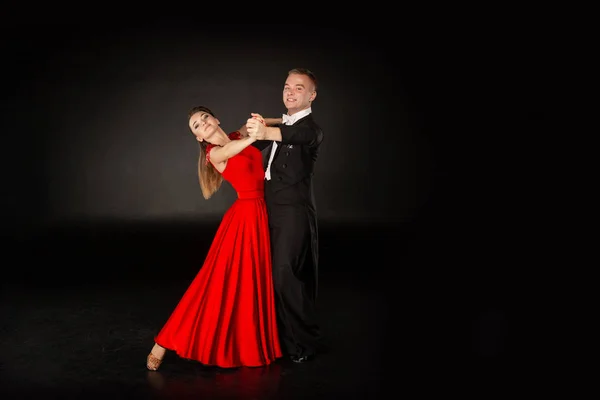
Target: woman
[(226, 317)]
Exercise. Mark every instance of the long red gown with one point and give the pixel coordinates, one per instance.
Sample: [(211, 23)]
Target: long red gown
[(227, 317)]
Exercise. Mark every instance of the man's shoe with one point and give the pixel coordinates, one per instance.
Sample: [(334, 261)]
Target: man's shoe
[(301, 359)]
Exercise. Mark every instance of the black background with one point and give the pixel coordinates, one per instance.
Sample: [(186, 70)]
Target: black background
[(418, 186)]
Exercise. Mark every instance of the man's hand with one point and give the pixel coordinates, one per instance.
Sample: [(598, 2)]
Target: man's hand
[(256, 127)]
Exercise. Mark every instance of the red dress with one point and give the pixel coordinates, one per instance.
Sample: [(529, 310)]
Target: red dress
[(226, 317)]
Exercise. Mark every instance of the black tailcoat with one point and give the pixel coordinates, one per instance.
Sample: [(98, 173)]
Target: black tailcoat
[(294, 232)]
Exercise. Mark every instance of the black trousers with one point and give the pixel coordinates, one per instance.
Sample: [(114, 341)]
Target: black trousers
[(294, 276)]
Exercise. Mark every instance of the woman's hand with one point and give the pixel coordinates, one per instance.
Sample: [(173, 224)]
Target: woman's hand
[(256, 126)]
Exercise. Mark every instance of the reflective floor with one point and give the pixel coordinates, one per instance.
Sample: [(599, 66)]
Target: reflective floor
[(80, 307)]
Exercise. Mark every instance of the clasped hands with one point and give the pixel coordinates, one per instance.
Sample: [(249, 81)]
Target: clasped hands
[(256, 126)]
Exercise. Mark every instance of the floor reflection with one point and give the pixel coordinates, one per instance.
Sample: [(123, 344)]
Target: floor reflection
[(239, 383)]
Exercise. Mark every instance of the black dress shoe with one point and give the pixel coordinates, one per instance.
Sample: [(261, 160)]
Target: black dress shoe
[(301, 359)]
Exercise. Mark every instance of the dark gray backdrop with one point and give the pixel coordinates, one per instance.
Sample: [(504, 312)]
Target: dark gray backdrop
[(94, 118)]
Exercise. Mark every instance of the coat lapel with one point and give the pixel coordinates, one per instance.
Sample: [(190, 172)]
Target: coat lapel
[(279, 146)]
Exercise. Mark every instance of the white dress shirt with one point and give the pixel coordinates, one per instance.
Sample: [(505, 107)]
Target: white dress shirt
[(287, 120)]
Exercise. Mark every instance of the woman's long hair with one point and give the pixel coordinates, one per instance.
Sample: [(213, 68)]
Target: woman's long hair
[(210, 179)]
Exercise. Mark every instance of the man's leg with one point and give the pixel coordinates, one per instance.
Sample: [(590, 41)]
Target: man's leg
[(294, 280)]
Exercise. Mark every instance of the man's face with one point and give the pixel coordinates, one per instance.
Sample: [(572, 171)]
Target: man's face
[(298, 93)]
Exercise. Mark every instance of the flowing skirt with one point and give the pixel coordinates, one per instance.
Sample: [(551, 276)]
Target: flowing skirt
[(227, 317)]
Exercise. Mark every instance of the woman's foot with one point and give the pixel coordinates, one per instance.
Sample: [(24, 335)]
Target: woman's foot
[(155, 357)]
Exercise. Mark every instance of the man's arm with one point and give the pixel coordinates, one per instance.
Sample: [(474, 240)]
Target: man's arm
[(300, 135)]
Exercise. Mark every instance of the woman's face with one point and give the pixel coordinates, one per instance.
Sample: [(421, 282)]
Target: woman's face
[(203, 125)]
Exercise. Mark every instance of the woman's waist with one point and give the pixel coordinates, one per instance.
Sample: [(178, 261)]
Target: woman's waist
[(251, 194)]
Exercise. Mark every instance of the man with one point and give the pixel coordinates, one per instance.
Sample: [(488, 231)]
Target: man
[(292, 147)]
